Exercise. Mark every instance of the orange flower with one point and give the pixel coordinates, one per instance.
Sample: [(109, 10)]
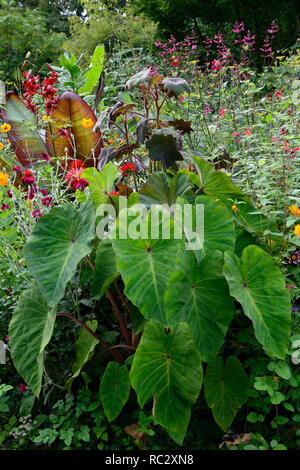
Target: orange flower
[(86, 123), (295, 210), (5, 127), (234, 208), (297, 230), (1, 146), (3, 179)]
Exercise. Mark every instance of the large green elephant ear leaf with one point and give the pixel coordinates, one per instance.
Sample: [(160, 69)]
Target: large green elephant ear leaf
[(59, 240), (114, 389), (77, 117), (161, 188), (30, 331), (145, 265), (257, 283), (24, 137), (204, 301), (167, 367), (226, 389), (207, 224), (84, 350)]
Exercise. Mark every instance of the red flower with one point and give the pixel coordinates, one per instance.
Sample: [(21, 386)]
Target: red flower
[(114, 193), (22, 388), (17, 169), (175, 61), (74, 173), (45, 157), (28, 177), (269, 97), (216, 65), (278, 94), (128, 168), (247, 132), (286, 147), (222, 112)]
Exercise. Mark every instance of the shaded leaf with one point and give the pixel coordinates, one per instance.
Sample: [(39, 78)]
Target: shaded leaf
[(105, 268), (163, 147), (114, 389), (176, 86), (226, 389)]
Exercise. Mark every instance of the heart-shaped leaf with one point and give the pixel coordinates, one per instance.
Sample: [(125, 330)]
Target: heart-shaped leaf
[(138, 78), (24, 137), (77, 117), (167, 367), (30, 331), (177, 86), (204, 301), (226, 389), (114, 389), (59, 240), (163, 147), (145, 266), (257, 283), (162, 188)]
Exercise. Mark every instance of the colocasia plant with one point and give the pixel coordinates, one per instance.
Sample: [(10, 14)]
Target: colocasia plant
[(175, 242)]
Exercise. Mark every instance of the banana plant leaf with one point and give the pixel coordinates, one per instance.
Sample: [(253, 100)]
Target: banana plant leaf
[(76, 117), (24, 136)]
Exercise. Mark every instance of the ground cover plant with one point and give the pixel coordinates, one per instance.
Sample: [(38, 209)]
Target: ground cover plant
[(150, 239)]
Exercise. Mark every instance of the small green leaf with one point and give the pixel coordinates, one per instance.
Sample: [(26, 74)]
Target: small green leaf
[(226, 389), (114, 389)]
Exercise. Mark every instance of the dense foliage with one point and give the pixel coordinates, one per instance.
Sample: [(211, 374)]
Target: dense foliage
[(150, 238)]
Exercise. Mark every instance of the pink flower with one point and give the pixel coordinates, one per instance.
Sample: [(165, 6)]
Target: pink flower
[(47, 201), (222, 112), (8, 193), (22, 388), (216, 65), (4, 207), (273, 139), (206, 110), (45, 157), (82, 184), (237, 136), (36, 213), (17, 169), (247, 132), (7, 338), (63, 133)]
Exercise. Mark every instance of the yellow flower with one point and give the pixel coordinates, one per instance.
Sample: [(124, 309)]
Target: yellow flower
[(46, 118), (295, 210), (86, 123), (1, 146), (3, 179), (5, 127), (297, 230), (234, 208), (275, 378)]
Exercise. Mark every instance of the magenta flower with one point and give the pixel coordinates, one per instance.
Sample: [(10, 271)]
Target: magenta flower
[(36, 213), (7, 338), (45, 157), (82, 184), (206, 110), (9, 193), (17, 169), (47, 201), (216, 65), (22, 388), (63, 133), (4, 207)]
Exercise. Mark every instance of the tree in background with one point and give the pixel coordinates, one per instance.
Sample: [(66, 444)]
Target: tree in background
[(56, 12), (24, 29), (111, 23), (178, 17)]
